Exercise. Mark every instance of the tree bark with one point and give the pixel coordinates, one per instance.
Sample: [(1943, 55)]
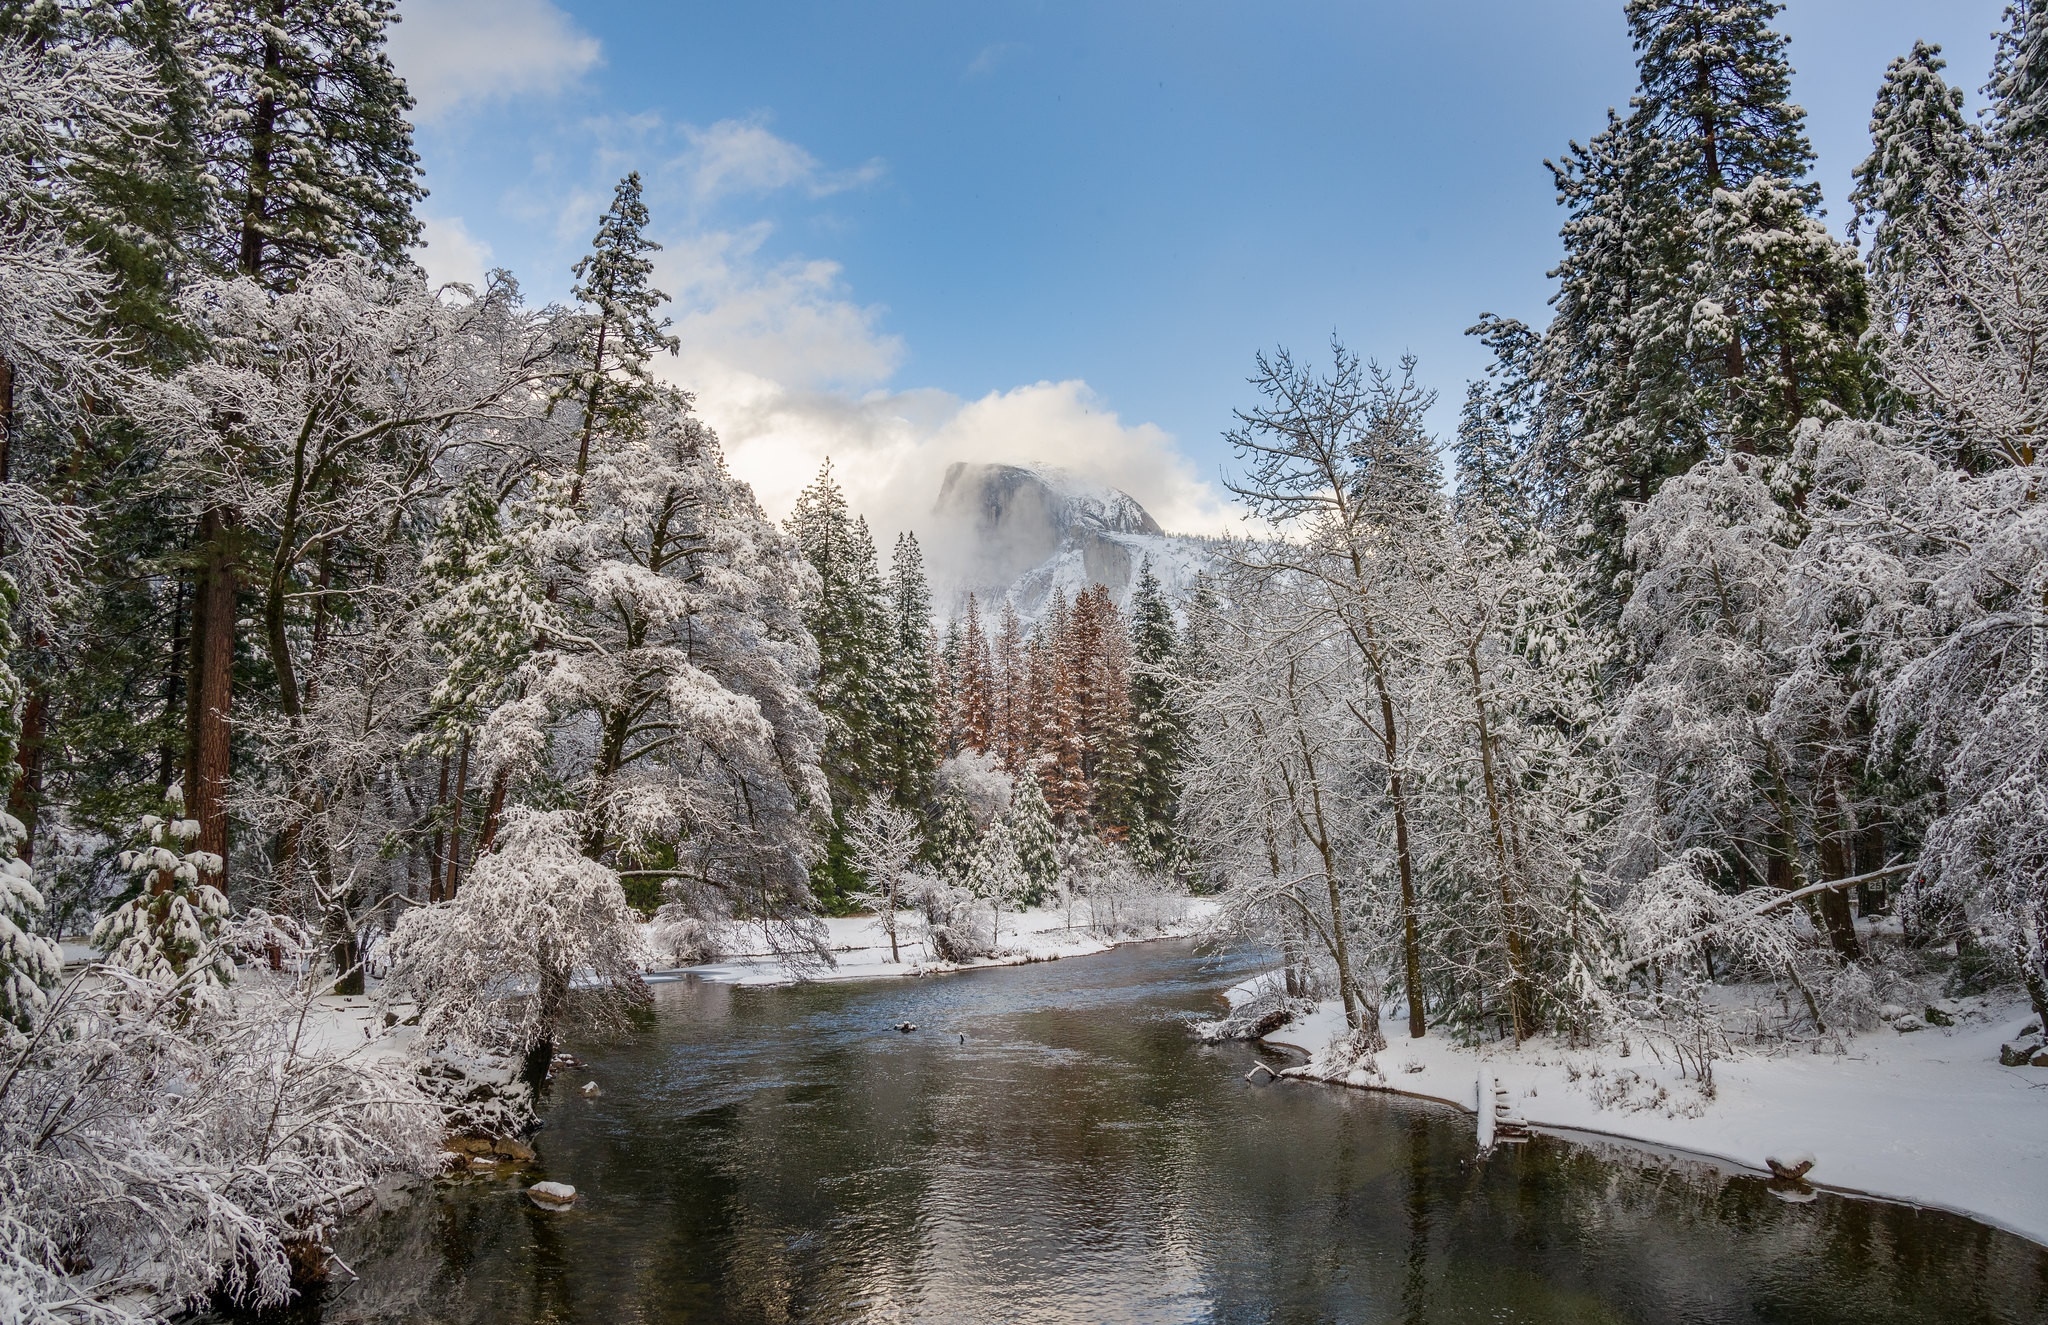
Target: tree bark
[(1834, 864), (454, 875), (1411, 939), (208, 712), (1520, 1014)]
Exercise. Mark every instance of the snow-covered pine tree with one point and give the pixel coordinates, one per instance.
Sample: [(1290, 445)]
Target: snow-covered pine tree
[(1786, 302), (1658, 357), (949, 847), (1012, 694), (849, 617), (911, 720), (1157, 724), (1062, 747), (308, 144), (996, 875), (1036, 840), (168, 934), (973, 684), (1923, 155), (2019, 76), (622, 329), (1715, 87), (1604, 439), (29, 963)]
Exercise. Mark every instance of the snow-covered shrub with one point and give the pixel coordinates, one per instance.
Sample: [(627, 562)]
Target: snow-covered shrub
[(1120, 899), (168, 934), (493, 969), (143, 1150), (977, 777), (681, 939), (958, 926)]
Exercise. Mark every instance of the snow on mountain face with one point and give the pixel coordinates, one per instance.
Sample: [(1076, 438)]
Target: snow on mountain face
[(1028, 532)]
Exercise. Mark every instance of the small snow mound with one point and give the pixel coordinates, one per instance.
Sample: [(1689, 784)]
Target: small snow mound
[(552, 1195)]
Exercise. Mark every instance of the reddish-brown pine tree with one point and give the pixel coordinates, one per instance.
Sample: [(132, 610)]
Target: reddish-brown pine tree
[(975, 697), (1011, 695)]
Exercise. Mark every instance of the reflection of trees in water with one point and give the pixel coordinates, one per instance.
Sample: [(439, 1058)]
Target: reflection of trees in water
[(765, 1157)]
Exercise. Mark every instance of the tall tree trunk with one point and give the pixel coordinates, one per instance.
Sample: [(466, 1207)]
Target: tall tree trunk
[(1873, 898), (1411, 938), (211, 693), (24, 795), (437, 859), (262, 148), (1520, 1014), (25, 798), (494, 811), (454, 875), (1834, 838)]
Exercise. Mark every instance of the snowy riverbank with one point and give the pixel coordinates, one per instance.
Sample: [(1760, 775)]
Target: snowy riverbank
[(1927, 1118), (860, 949)]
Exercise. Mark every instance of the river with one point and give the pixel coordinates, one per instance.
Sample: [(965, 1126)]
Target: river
[(1051, 1145)]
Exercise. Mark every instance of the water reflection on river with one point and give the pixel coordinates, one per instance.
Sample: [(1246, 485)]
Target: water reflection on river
[(783, 1155)]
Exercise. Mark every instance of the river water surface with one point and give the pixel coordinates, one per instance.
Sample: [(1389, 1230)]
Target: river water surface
[(1051, 1145)]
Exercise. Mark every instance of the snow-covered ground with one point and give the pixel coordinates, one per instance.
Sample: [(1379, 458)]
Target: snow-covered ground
[(1927, 1118), (860, 949)]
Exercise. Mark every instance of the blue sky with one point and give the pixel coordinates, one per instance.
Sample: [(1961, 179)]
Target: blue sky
[(909, 232)]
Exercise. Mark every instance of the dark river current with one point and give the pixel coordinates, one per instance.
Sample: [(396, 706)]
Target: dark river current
[(768, 1155)]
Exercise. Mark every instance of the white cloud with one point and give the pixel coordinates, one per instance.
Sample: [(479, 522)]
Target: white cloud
[(787, 322), (984, 63), (453, 52), (450, 253), (891, 448), (737, 157)]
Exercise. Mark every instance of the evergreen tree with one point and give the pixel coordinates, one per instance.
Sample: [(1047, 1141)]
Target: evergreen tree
[(996, 875), (168, 934), (1037, 841), (307, 147), (622, 330), (2019, 75), (1157, 724), (848, 616), (30, 964), (910, 722), (1701, 307), (1786, 299), (1923, 155), (1715, 94), (1012, 696), (973, 684), (950, 845)]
